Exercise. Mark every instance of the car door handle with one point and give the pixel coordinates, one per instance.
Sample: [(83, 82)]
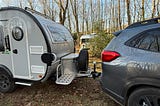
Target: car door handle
[(15, 51)]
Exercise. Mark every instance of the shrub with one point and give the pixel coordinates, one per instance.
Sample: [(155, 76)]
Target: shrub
[(98, 43)]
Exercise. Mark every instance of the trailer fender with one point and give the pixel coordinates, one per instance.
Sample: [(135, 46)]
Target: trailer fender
[(5, 69)]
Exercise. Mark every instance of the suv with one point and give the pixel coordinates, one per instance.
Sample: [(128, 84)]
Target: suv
[(131, 65)]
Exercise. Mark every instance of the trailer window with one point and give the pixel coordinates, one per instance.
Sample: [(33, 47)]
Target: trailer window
[(17, 33), (85, 40), (59, 33)]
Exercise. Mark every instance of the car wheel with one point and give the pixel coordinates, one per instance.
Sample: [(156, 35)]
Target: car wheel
[(83, 60), (7, 83), (145, 97)]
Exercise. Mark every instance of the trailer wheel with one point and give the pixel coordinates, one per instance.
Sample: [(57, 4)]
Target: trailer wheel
[(83, 60), (7, 83)]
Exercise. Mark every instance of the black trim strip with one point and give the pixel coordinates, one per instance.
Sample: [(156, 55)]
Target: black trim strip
[(4, 20)]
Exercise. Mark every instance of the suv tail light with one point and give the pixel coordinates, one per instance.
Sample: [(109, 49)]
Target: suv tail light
[(108, 56)]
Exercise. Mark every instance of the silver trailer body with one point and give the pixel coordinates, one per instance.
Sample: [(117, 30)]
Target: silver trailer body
[(32, 46)]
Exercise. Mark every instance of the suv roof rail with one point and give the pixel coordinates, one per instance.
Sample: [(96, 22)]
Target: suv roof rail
[(36, 12), (144, 23)]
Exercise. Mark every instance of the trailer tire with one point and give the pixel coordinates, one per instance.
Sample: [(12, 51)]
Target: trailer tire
[(7, 83), (83, 60)]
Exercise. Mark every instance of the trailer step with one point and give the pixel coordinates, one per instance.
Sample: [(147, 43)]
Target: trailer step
[(65, 79)]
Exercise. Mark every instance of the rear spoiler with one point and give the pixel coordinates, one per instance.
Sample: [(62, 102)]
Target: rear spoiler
[(117, 33)]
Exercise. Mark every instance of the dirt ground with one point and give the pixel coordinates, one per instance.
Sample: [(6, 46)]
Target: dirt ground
[(81, 92)]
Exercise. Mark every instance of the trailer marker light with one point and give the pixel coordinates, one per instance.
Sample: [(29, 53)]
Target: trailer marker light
[(40, 76)]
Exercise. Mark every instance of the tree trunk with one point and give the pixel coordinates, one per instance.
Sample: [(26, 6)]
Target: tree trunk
[(52, 11), (128, 11), (119, 14), (153, 8), (135, 11), (83, 15), (158, 5), (69, 21), (143, 11), (31, 4), (124, 9), (75, 14), (62, 11), (91, 7), (87, 28), (20, 3)]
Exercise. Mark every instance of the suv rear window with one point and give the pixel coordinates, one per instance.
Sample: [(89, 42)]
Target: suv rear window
[(148, 40)]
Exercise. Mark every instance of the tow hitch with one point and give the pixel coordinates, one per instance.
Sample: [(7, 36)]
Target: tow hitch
[(94, 73)]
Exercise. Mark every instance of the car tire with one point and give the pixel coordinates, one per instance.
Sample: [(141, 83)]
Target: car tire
[(83, 60), (7, 83), (145, 97)]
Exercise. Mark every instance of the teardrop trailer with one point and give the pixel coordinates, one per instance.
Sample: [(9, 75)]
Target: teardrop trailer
[(33, 48)]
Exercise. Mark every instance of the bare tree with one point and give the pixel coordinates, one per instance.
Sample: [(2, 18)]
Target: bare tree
[(69, 20), (158, 6), (153, 8), (20, 3), (124, 12), (91, 15), (63, 10), (110, 15), (51, 10), (119, 14), (128, 11), (135, 11), (106, 14), (86, 21), (31, 4), (83, 14), (143, 11), (75, 14), (44, 6)]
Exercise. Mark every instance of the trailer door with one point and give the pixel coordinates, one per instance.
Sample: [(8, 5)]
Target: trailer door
[(19, 48)]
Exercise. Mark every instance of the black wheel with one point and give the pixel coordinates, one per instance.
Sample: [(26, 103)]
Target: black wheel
[(6, 82), (83, 60), (145, 97)]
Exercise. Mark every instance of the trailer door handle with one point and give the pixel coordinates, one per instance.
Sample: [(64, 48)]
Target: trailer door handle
[(15, 51)]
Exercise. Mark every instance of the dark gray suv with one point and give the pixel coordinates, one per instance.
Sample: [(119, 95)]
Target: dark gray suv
[(131, 65)]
